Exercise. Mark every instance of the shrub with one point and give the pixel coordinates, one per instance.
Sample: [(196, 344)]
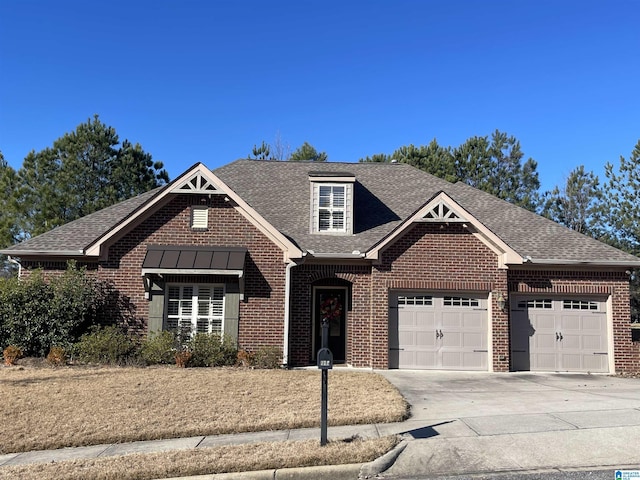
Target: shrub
[(57, 356), (38, 314), (106, 345), (245, 359), (267, 357), (159, 348), (24, 313), (209, 350), (11, 354)]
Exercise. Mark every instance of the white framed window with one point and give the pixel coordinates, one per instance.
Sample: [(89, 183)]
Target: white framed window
[(537, 303), (331, 208), (461, 302), (199, 217), (415, 300), (579, 305), (195, 309)]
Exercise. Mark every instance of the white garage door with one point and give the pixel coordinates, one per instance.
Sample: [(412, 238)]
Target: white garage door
[(559, 334), (436, 331)]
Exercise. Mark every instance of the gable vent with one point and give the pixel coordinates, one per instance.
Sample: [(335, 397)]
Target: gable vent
[(442, 212), (197, 184)]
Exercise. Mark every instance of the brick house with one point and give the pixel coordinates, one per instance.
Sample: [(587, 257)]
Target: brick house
[(411, 271)]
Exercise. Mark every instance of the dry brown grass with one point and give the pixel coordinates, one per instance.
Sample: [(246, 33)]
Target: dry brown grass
[(46, 408), (259, 456)]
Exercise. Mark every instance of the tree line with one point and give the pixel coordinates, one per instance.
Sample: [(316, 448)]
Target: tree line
[(89, 169), (606, 210), (82, 172)]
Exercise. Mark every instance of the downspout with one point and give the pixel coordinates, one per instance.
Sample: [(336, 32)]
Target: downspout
[(287, 309), (15, 262)]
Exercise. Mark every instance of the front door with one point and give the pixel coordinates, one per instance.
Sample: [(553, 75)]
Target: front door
[(330, 304)]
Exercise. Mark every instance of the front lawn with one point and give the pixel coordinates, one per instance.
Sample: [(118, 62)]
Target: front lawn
[(47, 408)]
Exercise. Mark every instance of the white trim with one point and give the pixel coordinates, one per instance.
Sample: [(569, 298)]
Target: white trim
[(195, 295), (610, 338), (506, 255), (288, 248), (315, 208), (189, 271)]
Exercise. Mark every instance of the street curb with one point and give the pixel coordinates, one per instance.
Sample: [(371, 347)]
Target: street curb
[(334, 472), (351, 471), (382, 463)]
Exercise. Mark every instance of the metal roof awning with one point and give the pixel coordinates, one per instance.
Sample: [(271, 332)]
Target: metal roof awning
[(163, 260), (190, 260)]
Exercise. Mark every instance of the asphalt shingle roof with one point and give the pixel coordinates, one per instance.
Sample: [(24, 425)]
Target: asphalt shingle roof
[(79, 234), (384, 196)]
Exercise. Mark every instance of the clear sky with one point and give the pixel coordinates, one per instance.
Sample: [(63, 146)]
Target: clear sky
[(205, 80)]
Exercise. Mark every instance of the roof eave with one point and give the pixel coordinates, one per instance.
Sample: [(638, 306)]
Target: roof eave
[(47, 253), (337, 255), (590, 263)]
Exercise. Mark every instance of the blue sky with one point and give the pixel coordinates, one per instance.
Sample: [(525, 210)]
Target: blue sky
[(198, 80)]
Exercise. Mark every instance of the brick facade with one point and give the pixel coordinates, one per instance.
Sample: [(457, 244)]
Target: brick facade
[(445, 258), (427, 257), (262, 311)]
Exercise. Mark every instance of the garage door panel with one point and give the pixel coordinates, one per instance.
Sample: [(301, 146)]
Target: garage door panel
[(596, 343), (439, 335), (544, 361), (452, 340), (473, 320), (474, 360), (593, 323), (570, 323), (567, 334), (542, 341), (545, 323), (425, 339), (595, 363), (473, 341), (572, 361), (407, 338), (571, 342), (451, 321)]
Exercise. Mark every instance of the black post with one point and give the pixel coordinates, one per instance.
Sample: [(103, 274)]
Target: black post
[(325, 384)]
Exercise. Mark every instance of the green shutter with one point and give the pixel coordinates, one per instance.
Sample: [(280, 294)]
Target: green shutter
[(231, 311), (156, 307)]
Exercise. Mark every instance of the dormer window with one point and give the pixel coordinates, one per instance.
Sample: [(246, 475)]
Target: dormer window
[(331, 202), (331, 207)]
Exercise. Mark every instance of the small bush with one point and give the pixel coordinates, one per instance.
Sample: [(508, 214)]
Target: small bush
[(267, 357), (106, 345), (11, 354), (57, 356), (245, 359), (209, 350), (159, 348)]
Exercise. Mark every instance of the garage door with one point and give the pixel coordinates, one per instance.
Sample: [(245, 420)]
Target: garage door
[(559, 334), (436, 331)]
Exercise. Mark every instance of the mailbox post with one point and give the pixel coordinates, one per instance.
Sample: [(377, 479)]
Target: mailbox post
[(325, 363)]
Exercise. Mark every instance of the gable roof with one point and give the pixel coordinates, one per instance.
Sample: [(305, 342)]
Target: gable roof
[(73, 238), (275, 196)]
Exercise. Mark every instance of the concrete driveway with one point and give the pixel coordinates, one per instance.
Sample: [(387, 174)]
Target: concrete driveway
[(465, 423)]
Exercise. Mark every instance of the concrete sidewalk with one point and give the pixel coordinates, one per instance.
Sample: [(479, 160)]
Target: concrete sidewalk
[(337, 472), (461, 424), (465, 423)]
